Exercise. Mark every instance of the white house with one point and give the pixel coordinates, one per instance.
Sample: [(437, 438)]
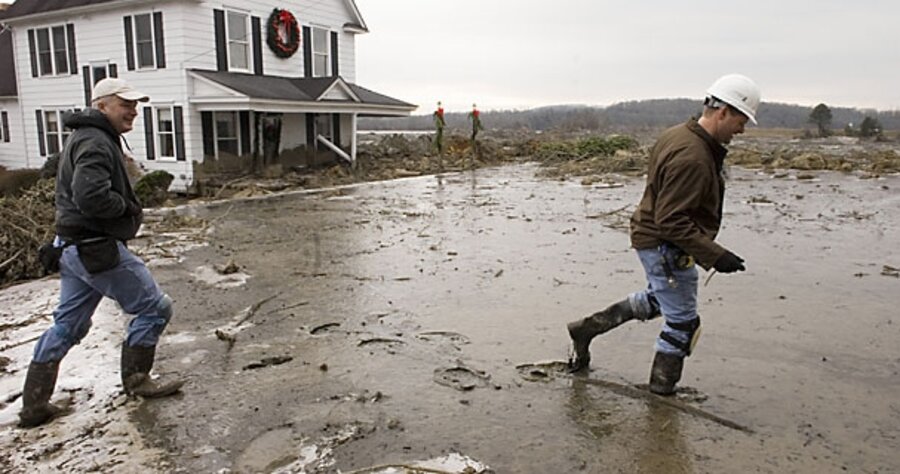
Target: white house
[(234, 86)]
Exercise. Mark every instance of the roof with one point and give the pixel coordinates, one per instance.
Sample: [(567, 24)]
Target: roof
[(25, 8), (7, 65), (297, 89)]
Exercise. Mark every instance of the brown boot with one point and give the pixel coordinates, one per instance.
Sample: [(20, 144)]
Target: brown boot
[(583, 331), (666, 372), (39, 384), (136, 365)]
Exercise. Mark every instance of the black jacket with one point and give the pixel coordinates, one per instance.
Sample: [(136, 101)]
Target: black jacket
[(93, 194)]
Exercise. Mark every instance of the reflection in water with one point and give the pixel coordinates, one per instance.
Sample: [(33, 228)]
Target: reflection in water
[(655, 439)]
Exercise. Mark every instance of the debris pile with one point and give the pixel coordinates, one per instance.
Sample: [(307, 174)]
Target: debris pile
[(26, 222)]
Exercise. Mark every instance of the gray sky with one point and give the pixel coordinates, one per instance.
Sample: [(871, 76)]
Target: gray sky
[(516, 54)]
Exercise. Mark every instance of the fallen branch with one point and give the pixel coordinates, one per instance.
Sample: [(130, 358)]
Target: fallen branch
[(11, 259)]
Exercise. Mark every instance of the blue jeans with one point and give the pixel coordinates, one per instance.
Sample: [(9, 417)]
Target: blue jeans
[(677, 304), (129, 283)]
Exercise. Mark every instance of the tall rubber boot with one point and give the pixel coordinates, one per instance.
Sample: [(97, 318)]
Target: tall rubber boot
[(584, 330), (136, 365), (666, 372), (39, 384)]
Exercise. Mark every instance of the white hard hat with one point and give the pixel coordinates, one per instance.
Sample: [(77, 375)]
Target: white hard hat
[(737, 91)]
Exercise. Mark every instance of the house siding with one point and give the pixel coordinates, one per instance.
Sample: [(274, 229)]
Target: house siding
[(12, 153)]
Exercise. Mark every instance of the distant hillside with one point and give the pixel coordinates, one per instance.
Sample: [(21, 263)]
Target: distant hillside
[(625, 116)]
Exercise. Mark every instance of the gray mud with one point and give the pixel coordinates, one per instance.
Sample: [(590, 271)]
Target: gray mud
[(395, 322), (379, 293)]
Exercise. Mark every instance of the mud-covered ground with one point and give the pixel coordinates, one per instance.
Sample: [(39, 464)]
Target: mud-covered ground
[(419, 319)]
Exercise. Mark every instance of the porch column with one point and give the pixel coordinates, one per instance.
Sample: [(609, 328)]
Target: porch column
[(353, 139)]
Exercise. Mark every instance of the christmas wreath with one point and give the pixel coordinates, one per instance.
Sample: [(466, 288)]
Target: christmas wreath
[(282, 33)]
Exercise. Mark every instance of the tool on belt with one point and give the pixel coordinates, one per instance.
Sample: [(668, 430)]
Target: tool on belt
[(681, 259)]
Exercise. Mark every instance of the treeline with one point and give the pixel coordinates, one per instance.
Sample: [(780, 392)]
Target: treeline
[(627, 116)]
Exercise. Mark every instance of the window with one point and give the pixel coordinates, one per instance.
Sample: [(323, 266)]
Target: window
[(227, 138), (324, 126), (99, 72), (320, 52), (165, 132), (54, 132), (144, 41), (52, 51), (237, 32)]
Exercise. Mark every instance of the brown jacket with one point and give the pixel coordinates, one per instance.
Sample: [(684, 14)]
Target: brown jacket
[(682, 202)]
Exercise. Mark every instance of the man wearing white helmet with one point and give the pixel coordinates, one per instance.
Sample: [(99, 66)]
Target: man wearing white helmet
[(674, 227)]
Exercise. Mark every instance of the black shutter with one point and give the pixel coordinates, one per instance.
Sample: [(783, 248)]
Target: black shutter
[(5, 125), (73, 58), (129, 44), (310, 131), (209, 143), (160, 41), (257, 46), (221, 43), (179, 134), (307, 52), (86, 72), (32, 51), (113, 70), (244, 118), (148, 133), (39, 115), (334, 55)]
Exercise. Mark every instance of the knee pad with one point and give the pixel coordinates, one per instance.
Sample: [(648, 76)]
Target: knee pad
[(164, 307), (691, 328)]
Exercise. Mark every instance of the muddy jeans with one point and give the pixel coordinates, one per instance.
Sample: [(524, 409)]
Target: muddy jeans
[(129, 283), (677, 305)]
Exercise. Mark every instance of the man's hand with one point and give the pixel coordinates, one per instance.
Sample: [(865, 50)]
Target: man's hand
[(729, 263), (133, 209)]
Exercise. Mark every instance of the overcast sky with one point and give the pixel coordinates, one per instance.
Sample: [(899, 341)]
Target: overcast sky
[(517, 54)]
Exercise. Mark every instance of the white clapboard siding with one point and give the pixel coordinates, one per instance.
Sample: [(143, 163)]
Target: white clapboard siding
[(12, 153)]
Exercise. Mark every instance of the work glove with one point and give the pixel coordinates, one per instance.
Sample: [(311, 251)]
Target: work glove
[(729, 263), (132, 208)]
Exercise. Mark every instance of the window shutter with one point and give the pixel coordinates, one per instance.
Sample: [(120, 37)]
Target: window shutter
[(257, 46), (5, 119), (129, 44), (148, 133), (334, 54), (73, 58), (307, 52), (179, 134), (336, 128), (113, 70), (209, 143), (33, 53), (160, 41), (221, 53), (39, 115), (310, 131), (244, 118), (86, 72)]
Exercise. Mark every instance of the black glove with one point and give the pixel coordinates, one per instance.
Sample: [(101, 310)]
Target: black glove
[(729, 263), (132, 208)]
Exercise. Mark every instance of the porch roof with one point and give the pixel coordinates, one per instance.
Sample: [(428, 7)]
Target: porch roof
[(216, 90)]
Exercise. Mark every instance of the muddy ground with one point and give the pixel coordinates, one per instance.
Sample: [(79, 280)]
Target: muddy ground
[(422, 319)]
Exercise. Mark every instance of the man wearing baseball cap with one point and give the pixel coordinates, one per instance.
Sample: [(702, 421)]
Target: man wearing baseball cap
[(96, 213)]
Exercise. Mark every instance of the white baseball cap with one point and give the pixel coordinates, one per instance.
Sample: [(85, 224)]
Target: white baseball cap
[(116, 86)]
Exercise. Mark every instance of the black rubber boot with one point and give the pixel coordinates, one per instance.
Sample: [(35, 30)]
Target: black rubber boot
[(666, 372), (583, 331), (39, 385), (136, 365)]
